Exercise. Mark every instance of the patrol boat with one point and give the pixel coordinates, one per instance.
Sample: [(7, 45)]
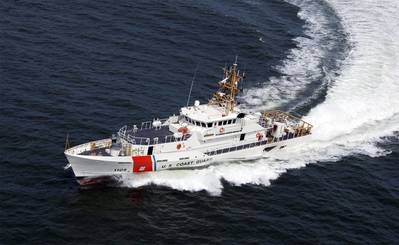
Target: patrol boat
[(200, 135)]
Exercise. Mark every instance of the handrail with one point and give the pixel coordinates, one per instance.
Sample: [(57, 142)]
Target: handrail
[(78, 149), (301, 126), (136, 140), (280, 115)]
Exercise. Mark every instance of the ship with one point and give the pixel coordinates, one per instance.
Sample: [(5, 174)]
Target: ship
[(198, 136)]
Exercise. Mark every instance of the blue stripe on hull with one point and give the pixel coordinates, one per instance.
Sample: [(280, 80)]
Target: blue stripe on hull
[(155, 163)]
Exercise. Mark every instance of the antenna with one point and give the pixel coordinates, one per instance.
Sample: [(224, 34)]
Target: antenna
[(243, 78), (192, 83), (224, 70), (67, 142), (235, 62)]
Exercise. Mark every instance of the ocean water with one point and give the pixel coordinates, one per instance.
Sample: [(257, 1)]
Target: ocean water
[(87, 67)]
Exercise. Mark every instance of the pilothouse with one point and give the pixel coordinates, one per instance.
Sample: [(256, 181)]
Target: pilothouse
[(200, 135)]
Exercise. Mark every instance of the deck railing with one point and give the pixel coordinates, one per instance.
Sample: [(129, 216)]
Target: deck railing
[(300, 126), (123, 133), (90, 146)]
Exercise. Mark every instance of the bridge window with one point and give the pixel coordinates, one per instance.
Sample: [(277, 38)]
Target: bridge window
[(224, 122), (203, 125), (220, 123), (229, 122), (209, 125)]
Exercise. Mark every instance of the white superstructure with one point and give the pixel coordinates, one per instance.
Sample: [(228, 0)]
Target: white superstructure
[(199, 136)]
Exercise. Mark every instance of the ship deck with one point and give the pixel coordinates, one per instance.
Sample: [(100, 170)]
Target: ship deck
[(150, 136), (96, 152), (151, 133)]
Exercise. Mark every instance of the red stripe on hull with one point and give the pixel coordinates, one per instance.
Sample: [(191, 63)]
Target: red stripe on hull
[(142, 164)]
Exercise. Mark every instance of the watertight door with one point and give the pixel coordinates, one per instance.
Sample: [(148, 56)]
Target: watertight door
[(150, 149)]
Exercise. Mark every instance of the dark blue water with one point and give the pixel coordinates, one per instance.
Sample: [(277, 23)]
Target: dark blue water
[(88, 67)]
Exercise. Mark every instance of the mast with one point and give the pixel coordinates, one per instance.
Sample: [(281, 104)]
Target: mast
[(228, 89)]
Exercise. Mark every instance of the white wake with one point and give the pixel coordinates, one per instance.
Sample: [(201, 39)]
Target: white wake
[(361, 106), (303, 65)]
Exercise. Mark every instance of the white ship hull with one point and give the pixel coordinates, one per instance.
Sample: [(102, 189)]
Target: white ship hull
[(93, 169)]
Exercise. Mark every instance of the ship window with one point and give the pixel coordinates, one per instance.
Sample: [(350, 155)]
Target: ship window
[(234, 121), (203, 125), (220, 123), (197, 123), (209, 125), (229, 122), (224, 122)]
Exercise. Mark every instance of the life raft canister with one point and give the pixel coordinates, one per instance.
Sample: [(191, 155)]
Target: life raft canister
[(259, 136), (221, 130), (178, 146)]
